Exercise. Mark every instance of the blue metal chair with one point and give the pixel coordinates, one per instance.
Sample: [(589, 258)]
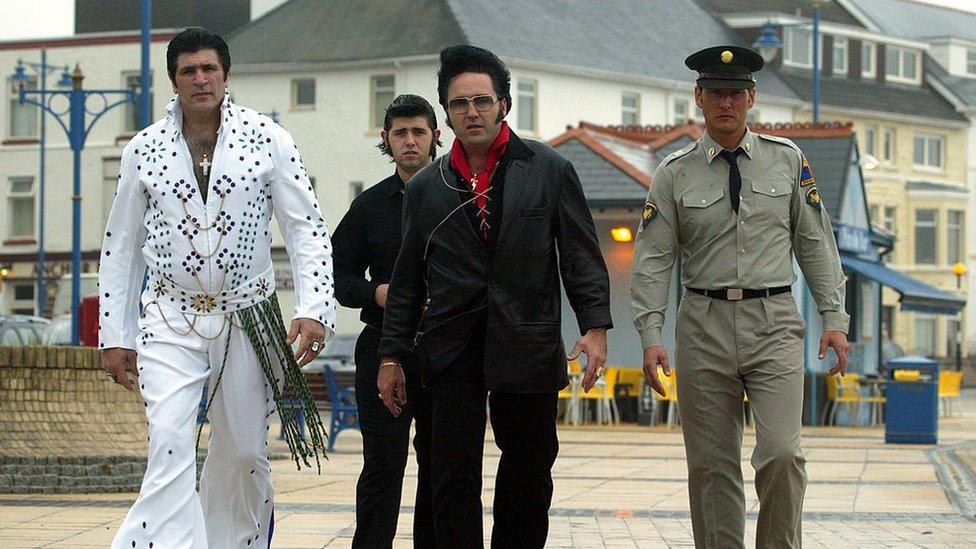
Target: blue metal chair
[(345, 414)]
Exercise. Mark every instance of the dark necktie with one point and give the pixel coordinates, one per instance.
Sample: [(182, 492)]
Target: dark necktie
[(735, 178)]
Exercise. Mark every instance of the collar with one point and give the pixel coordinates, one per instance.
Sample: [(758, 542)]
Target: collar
[(711, 148), (394, 184), (174, 111), (496, 151)]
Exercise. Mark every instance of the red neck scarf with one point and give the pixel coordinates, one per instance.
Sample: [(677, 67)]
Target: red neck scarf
[(479, 181)]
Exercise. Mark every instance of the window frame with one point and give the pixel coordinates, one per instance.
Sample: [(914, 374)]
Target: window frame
[(522, 96), (788, 49), (13, 102), (871, 139), (929, 226), (928, 140), (686, 115), (959, 226), (873, 57), (18, 196), (971, 61), (295, 83), (377, 112), (888, 153), (838, 40), (634, 110), (899, 75), (927, 318), (129, 109)]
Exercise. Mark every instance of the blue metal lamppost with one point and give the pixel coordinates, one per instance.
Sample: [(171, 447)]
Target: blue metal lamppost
[(80, 119), (769, 45), (42, 70)]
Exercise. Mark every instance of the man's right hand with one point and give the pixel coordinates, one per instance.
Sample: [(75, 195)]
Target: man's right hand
[(653, 356), (119, 362), (379, 295), (392, 385)]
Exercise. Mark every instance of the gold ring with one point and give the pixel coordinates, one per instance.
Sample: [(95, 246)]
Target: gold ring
[(380, 395), (600, 371), (316, 346)]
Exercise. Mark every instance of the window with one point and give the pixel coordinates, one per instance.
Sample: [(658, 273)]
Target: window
[(925, 230), (110, 186), (952, 335), (889, 218), (527, 104), (901, 65), (22, 303), (798, 47), (303, 94), (20, 207), (925, 335), (23, 118), (355, 189), (130, 118), (887, 321), (867, 59), (955, 252), (679, 112), (383, 91), (870, 140), (927, 151), (888, 146), (630, 109), (971, 62), (840, 55)]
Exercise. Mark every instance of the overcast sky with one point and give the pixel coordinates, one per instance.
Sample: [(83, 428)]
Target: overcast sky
[(20, 19)]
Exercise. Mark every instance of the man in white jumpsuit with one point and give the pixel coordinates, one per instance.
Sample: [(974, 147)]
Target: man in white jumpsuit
[(195, 196)]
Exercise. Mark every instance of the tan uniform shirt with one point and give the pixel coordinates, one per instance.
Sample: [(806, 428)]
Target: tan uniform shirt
[(780, 215)]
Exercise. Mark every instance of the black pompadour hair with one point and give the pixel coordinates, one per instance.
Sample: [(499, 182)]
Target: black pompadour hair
[(192, 40)]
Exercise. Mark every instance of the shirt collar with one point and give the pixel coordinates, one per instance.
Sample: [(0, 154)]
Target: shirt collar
[(394, 184), (711, 148), (175, 111)]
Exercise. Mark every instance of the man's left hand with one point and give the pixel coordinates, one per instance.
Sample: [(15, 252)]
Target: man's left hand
[(594, 345), (837, 340), (309, 331)]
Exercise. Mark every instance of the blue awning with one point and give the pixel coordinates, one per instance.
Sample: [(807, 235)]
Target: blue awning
[(915, 295)]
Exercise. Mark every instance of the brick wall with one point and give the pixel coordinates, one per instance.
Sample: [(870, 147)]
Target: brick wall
[(64, 427)]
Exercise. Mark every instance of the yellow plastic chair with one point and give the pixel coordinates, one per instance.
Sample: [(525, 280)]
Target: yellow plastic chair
[(842, 390), (570, 393), (603, 393), (670, 384), (907, 375), (949, 386), (877, 402)]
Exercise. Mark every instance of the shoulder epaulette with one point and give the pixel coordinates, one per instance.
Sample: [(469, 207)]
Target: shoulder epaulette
[(679, 153), (780, 140)]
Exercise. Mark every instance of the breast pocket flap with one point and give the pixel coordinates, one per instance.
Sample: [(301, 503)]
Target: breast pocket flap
[(702, 199), (772, 188)]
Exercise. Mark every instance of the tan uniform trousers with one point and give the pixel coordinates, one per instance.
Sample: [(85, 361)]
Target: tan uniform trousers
[(725, 348)]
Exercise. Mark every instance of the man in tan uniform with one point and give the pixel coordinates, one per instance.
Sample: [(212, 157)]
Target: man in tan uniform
[(738, 206)]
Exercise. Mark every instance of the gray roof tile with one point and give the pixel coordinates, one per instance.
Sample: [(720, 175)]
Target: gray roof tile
[(910, 19)]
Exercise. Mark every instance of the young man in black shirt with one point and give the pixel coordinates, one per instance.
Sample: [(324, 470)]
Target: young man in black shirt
[(368, 237)]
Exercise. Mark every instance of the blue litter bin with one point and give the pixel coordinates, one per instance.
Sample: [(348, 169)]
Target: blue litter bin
[(912, 409)]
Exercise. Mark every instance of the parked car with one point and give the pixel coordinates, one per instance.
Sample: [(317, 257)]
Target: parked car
[(22, 329)]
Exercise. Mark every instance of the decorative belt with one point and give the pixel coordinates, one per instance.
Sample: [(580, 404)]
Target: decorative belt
[(738, 294)]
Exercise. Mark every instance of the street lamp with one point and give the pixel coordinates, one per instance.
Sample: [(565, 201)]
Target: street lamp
[(80, 120), (769, 44), (959, 269), (42, 70)]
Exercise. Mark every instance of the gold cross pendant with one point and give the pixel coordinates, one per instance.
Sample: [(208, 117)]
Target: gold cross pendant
[(205, 164)]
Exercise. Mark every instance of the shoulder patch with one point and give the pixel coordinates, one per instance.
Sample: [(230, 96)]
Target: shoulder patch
[(679, 153), (806, 174), (650, 212)]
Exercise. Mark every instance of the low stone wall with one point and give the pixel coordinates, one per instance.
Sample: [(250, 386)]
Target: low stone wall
[(64, 427)]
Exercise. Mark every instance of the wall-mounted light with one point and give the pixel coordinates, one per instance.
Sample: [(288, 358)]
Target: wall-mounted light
[(621, 234)]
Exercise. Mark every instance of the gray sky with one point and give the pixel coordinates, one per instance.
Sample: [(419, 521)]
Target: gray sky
[(21, 19)]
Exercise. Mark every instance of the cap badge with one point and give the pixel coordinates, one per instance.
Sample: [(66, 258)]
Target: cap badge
[(726, 56)]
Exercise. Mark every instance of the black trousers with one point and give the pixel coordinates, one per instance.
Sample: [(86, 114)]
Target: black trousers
[(385, 445), (524, 425)]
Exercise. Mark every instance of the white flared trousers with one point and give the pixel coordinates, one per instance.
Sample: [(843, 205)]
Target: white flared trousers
[(236, 498)]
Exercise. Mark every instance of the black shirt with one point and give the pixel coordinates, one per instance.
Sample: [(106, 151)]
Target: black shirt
[(368, 238)]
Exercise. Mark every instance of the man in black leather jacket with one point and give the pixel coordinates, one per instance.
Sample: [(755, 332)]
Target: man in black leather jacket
[(488, 231)]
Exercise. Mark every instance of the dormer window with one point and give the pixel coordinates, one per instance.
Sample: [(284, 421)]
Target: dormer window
[(867, 59), (971, 62), (840, 55), (798, 48), (901, 65)]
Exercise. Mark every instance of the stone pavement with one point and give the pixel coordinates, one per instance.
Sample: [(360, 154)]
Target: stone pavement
[(615, 487)]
